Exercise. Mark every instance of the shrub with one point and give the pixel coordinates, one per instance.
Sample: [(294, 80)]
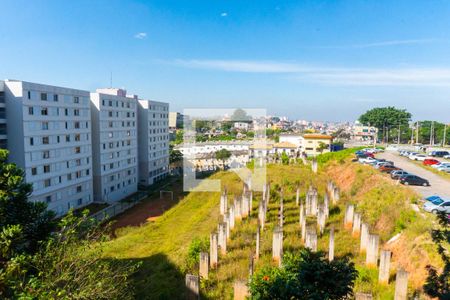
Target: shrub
[(193, 257)]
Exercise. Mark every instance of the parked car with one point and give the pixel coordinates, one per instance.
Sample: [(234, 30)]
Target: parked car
[(430, 161), (447, 156), (437, 205), (444, 169), (388, 168), (413, 180), (382, 163), (439, 153), (418, 157), (396, 174), (432, 198), (441, 164), (367, 160)]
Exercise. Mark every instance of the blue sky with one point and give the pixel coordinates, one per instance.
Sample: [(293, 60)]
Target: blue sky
[(316, 60)]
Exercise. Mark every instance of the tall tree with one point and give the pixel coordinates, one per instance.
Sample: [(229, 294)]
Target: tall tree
[(385, 118), (35, 221), (223, 155)]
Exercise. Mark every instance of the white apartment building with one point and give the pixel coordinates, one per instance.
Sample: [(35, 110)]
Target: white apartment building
[(153, 139), (50, 138), (3, 132), (114, 141)]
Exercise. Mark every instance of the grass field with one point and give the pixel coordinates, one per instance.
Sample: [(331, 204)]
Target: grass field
[(162, 246)]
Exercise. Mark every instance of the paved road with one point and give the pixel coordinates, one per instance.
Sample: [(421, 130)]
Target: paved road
[(439, 186)]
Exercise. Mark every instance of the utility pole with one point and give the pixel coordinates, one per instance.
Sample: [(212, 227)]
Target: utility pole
[(412, 133), (398, 140), (431, 133), (417, 133), (445, 133)]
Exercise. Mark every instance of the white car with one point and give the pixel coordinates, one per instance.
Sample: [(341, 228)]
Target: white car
[(418, 157), (447, 156), (441, 164), (437, 205), (444, 169), (366, 160), (382, 163)]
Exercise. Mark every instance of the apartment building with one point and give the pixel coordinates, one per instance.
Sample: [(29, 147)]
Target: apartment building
[(153, 141), (114, 140), (51, 141), (3, 132), (312, 144)]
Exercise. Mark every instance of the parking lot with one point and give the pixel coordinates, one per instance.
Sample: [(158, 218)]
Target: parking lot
[(439, 185)]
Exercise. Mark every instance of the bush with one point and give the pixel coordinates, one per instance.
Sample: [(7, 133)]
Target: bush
[(193, 257), (305, 275)]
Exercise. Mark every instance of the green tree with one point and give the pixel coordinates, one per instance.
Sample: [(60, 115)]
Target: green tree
[(174, 155), (284, 158), (306, 275), (33, 218), (385, 118), (438, 283), (223, 155), (322, 147)]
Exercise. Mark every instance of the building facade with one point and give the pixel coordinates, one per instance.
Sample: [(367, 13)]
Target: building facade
[(51, 142), (312, 144), (114, 140), (153, 118), (3, 126)]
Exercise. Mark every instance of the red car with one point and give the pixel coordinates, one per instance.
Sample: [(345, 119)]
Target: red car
[(388, 168), (368, 154), (430, 161)]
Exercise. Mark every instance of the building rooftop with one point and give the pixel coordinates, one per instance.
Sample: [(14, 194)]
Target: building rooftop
[(317, 136), (285, 145)]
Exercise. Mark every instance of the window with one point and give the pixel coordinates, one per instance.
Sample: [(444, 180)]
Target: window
[(110, 134), (45, 140), (44, 111), (44, 96), (58, 139), (33, 171), (78, 162), (44, 125), (79, 189), (55, 98), (46, 154), (66, 111), (69, 176), (77, 150), (76, 99), (30, 111), (31, 141), (68, 138), (47, 182), (77, 137), (77, 125), (79, 201), (48, 199), (76, 112), (29, 95), (46, 168)]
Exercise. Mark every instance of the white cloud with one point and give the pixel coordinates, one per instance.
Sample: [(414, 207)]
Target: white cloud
[(380, 44), (330, 75), (224, 14), (141, 35)]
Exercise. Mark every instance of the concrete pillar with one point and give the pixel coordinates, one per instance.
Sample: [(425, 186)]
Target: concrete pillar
[(297, 196), (240, 290), (244, 206), (363, 296), (268, 194), (264, 192), (204, 265), (356, 230), (311, 239), (223, 203), (336, 195), (251, 265), (231, 217), (237, 208), (280, 213), (326, 205), (192, 287), (364, 237), (372, 250), (222, 238), (277, 245), (303, 225), (314, 166), (321, 219), (385, 263), (250, 203), (261, 214), (213, 250), (226, 220), (302, 214), (331, 245), (258, 242), (314, 204), (348, 219), (401, 285)]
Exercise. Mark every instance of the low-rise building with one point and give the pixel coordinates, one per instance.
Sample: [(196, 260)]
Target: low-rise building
[(363, 133), (315, 144)]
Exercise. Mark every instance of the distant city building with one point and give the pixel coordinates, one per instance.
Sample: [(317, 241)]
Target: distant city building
[(295, 139), (51, 142), (153, 141), (114, 140), (241, 125), (175, 120), (288, 148), (363, 133)]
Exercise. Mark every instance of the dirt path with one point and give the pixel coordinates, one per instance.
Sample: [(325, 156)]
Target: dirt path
[(439, 186), (149, 209)]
